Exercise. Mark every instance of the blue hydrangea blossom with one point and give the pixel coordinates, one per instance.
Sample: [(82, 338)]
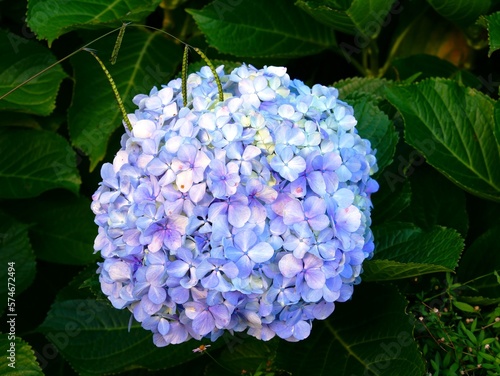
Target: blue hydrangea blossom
[(251, 214)]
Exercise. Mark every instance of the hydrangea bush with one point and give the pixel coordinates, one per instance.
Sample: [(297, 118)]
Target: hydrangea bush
[(251, 214)]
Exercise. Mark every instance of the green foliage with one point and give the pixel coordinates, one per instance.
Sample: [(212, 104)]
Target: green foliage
[(342, 345), (61, 228), (244, 30), (456, 337), (18, 259), (404, 250), (25, 361), (146, 60), (50, 19), (452, 126), (462, 12), (375, 125), (84, 329), (29, 58), (492, 23), (350, 16), (34, 161), (422, 77)]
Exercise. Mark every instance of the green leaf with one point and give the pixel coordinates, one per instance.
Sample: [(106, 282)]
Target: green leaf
[(330, 13), (362, 85), (375, 125), (146, 60), (436, 201), (18, 119), (370, 16), (480, 300), (22, 59), (452, 126), (492, 23), (403, 250), (23, 363), (358, 339), (85, 285), (464, 306), (14, 248), (479, 262), (390, 270), (50, 19), (35, 161), (64, 230), (243, 353), (390, 200), (461, 12), (246, 30), (427, 65), (361, 17), (83, 329), (405, 242)]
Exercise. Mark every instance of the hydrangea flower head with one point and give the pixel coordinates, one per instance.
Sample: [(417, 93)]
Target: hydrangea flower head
[(250, 214)]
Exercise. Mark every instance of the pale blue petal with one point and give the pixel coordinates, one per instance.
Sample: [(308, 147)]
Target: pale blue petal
[(238, 215), (320, 222), (290, 266), (317, 182), (315, 278), (204, 323), (293, 212), (157, 295), (261, 252), (177, 269)]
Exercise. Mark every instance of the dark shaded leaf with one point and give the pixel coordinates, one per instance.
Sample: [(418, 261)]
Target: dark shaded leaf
[(246, 30)]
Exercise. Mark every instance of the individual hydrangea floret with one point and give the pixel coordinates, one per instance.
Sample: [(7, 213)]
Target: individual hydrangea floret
[(246, 215)]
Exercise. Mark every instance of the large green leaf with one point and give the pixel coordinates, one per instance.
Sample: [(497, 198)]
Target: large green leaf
[(63, 229), (453, 127), (362, 85), (84, 329), (370, 16), (146, 60), (34, 161), (374, 125), (370, 335), (16, 254), (462, 12), (22, 59), (246, 30), (23, 363), (492, 23), (364, 18), (426, 65), (404, 250), (50, 19), (330, 13)]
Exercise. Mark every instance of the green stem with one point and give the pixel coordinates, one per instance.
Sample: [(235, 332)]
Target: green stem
[(115, 90), (184, 75), (395, 46), (214, 72), (373, 54)]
